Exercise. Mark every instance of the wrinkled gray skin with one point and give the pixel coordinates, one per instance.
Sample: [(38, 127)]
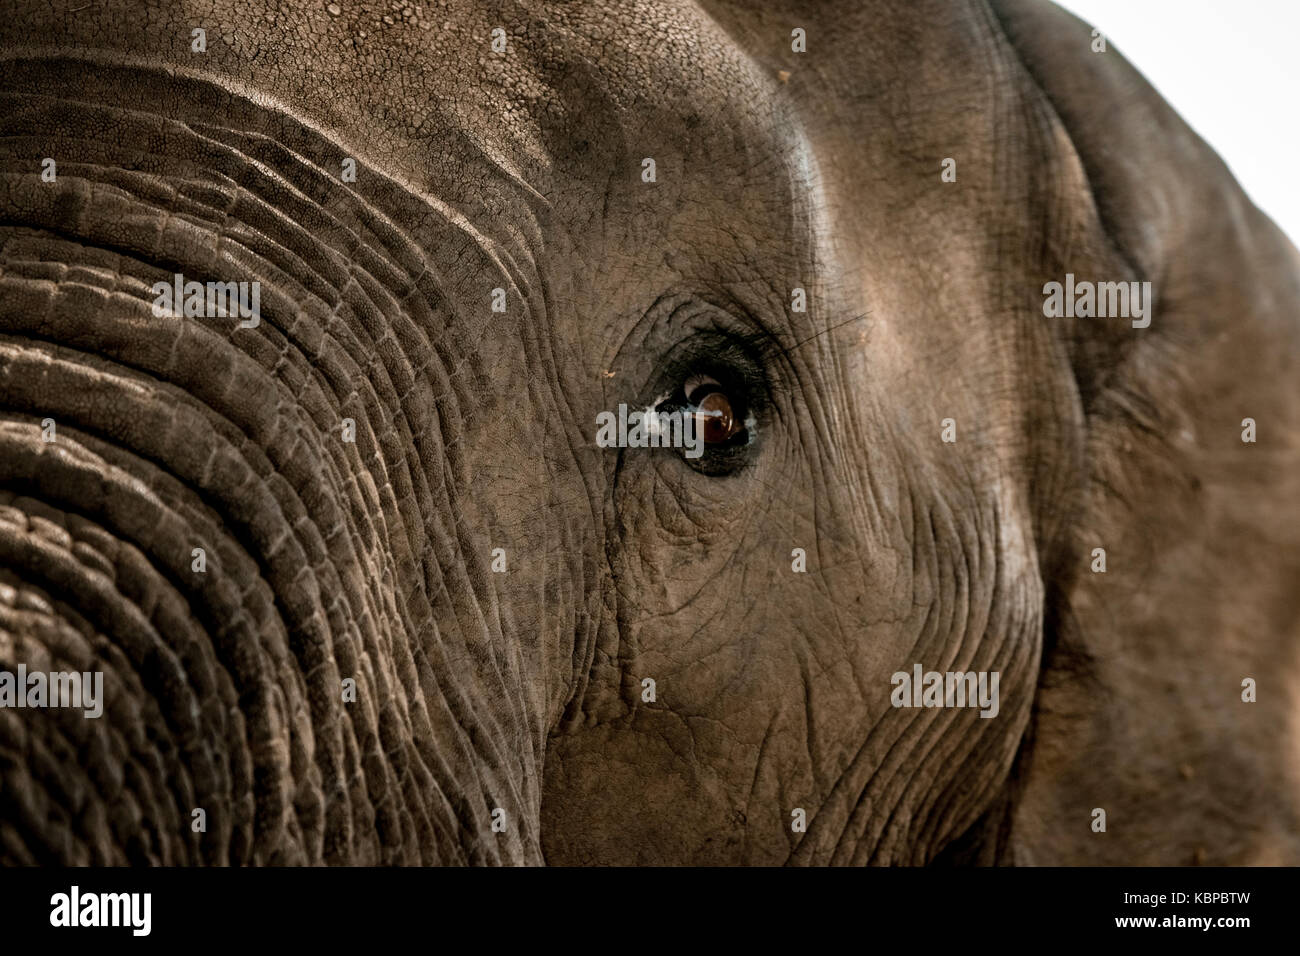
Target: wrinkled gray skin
[(475, 430)]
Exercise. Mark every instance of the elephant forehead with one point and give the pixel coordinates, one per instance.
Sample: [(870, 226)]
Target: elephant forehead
[(555, 98)]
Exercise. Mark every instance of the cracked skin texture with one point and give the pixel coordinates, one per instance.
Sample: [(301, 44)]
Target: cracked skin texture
[(523, 691)]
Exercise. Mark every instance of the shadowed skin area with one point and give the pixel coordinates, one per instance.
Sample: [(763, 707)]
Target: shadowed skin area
[(479, 691)]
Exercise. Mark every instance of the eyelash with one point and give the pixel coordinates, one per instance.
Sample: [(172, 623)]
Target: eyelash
[(738, 353)]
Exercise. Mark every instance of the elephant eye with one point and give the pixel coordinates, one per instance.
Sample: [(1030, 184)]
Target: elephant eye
[(714, 385), (716, 415)]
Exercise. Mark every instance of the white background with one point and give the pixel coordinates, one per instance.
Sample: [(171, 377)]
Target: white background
[(1231, 68)]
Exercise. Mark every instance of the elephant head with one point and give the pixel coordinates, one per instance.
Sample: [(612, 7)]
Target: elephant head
[(363, 586)]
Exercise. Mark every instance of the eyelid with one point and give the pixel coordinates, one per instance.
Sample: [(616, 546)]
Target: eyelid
[(696, 381), (731, 347)]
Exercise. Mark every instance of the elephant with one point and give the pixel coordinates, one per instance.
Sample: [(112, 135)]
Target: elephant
[(308, 315)]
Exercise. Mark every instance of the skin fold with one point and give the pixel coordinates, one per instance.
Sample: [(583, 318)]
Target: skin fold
[(518, 696)]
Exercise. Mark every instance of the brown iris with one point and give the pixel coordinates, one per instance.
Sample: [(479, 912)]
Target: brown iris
[(717, 420)]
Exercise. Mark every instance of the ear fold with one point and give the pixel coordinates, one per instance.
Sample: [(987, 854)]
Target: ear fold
[(1140, 708)]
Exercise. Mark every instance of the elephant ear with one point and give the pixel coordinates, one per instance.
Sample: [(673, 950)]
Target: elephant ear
[(1144, 709)]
